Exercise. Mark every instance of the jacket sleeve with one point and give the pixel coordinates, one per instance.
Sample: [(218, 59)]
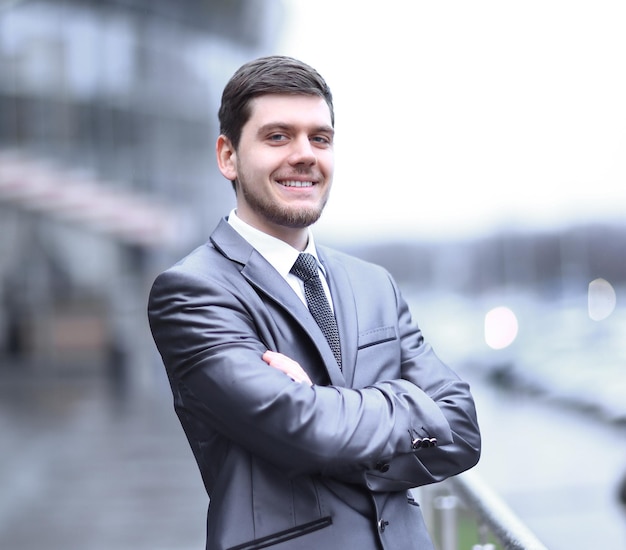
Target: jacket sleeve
[(212, 352), (446, 436), (434, 458)]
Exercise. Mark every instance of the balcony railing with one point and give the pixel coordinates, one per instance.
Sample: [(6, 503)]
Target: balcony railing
[(467, 495)]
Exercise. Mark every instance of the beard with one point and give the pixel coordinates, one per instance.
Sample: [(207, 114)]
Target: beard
[(286, 216)]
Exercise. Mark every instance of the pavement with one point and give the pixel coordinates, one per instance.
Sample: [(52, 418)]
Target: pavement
[(84, 465), (557, 467)]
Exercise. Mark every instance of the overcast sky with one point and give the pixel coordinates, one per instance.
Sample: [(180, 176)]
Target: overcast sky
[(456, 118)]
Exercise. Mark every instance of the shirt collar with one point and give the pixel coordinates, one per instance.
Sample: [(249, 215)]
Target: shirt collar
[(278, 253)]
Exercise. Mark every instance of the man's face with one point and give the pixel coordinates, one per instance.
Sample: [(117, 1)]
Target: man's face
[(284, 163)]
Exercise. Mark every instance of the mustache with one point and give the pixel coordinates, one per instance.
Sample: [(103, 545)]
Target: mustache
[(309, 173)]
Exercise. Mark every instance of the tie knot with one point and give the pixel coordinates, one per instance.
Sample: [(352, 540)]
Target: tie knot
[(305, 266)]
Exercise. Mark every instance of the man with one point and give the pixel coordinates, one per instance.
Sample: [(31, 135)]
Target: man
[(304, 441)]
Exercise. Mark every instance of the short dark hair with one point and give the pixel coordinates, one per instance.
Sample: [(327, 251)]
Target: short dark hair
[(275, 74)]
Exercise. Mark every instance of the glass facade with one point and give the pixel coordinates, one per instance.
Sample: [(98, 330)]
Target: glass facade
[(108, 119)]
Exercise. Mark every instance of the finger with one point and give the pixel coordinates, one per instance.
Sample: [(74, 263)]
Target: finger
[(288, 366)]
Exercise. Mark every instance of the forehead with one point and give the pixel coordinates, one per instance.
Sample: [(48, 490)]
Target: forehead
[(291, 109)]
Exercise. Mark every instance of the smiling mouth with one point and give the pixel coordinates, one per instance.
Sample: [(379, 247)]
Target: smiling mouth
[(294, 183)]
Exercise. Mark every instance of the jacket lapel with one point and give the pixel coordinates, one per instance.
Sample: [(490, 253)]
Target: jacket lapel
[(260, 273)]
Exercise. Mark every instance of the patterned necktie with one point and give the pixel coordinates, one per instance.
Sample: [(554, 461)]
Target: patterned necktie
[(305, 268)]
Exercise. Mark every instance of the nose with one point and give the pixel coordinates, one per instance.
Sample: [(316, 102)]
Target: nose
[(302, 152)]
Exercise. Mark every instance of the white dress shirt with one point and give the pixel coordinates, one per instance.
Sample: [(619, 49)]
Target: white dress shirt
[(279, 254)]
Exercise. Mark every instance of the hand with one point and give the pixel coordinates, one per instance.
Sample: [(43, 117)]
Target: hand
[(290, 367)]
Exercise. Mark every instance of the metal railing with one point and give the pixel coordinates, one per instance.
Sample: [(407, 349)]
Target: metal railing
[(468, 493)]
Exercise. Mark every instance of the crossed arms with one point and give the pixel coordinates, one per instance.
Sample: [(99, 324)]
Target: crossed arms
[(214, 338)]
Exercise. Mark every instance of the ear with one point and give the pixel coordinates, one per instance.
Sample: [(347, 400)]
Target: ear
[(226, 157)]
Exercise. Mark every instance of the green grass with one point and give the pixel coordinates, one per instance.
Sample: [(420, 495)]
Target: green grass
[(467, 531)]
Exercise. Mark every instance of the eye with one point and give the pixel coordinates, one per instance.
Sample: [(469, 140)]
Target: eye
[(321, 140), (277, 138)]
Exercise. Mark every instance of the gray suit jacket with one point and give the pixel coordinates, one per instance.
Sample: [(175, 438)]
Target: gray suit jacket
[(289, 466)]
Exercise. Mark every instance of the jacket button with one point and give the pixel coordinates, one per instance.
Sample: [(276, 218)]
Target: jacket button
[(382, 467), (382, 524), (424, 443)]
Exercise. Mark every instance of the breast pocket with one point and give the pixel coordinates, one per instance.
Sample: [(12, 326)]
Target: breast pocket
[(376, 336), (378, 356)]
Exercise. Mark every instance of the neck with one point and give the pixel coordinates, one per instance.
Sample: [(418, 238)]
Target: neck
[(298, 238)]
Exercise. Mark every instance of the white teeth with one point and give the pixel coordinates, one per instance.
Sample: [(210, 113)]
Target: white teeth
[(297, 183)]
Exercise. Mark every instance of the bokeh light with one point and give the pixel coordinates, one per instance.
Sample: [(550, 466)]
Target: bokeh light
[(601, 299), (501, 327)]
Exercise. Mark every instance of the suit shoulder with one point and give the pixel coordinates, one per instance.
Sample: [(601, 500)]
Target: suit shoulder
[(204, 262), (352, 263)]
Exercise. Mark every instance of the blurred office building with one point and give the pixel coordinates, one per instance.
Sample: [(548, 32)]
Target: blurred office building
[(107, 129)]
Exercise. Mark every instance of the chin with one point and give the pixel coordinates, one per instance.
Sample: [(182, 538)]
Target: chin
[(299, 218)]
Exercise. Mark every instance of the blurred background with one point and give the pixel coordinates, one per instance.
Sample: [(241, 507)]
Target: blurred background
[(480, 158)]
